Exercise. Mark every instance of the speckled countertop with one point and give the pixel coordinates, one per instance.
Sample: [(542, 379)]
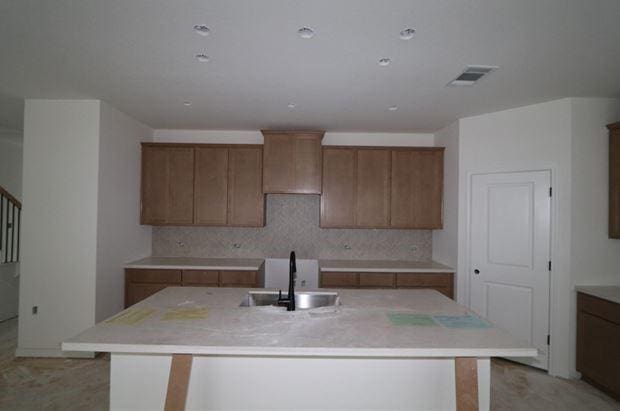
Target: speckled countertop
[(359, 327), (386, 266), (609, 293), (190, 263)]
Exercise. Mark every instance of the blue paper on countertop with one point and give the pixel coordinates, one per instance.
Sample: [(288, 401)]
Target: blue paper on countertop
[(461, 321)]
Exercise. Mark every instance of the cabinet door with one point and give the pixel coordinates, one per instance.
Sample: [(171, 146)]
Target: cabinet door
[(167, 185), (308, 163), (417, 189), (339, 280), (442, 282), (292, 162), (238, 279), (373, 188), (138, 292), (339, 185), (279, 163), (154, 201), (180, 185), (211, 185), (201, 278), (377, 280), (246, 202)]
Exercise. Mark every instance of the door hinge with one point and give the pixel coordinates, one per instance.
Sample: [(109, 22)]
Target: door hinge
[(548, 339), (550, 191), (549, 265)]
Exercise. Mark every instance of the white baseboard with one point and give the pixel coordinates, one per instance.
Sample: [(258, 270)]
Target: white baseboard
[(51, 353)]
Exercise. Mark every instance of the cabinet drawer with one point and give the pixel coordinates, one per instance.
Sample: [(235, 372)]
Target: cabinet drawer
[(138, 292), (141, 275), (599, 307), (339, 280), (238, 278), (377, 280), (423, 279), (201, 278)]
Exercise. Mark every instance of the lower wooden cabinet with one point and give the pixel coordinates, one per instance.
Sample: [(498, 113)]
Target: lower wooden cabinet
[(442, 282), (598, 342), (142, 283)]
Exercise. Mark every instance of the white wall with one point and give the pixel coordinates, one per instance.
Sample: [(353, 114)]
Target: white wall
[(535, 137), (11, 179), (595, 258), (61, 145), (80, 213), (120, 237), (330, 139), (445, 241)]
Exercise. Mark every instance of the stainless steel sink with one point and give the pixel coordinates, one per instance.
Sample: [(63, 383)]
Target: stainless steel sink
[(304, 300)]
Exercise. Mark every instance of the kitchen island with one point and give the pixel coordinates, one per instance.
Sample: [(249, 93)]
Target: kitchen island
[(379, 349)]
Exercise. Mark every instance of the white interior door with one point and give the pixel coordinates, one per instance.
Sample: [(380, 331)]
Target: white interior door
[(510, 253)]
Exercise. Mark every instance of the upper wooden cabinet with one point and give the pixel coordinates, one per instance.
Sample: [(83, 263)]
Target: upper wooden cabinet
[(373, 188), (246, 202), (292, 162), (167, 185), (202, 184), (211, 186), (417, 189), (382, 187), (614, 180), (339, 188)]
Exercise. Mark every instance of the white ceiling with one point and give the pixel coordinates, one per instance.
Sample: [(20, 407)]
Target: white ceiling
[(139, 57)]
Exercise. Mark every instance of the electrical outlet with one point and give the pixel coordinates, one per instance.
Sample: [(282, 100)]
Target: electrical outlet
[(35, 310)]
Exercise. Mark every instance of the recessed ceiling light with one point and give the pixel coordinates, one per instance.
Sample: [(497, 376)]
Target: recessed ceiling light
[(202, 29), (407, 34), (305, 33), (203, 58), (384, 62), (393, 108), (187, 103), (292, 105)]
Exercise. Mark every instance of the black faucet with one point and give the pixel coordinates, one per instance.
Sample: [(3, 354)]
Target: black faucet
[(289, 301)]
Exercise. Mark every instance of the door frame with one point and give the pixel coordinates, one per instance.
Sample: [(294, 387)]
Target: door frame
[(553, 246)]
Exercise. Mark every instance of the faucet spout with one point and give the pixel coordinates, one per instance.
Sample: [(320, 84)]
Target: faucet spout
[(289, 301), (292, 270)]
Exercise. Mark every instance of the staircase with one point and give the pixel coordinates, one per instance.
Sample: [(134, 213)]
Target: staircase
[(10, 218)]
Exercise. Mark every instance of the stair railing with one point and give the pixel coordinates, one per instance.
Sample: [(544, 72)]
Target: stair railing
[(10, 222)]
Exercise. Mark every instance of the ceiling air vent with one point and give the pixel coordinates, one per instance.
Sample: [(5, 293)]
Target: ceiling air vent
[(471, 75)]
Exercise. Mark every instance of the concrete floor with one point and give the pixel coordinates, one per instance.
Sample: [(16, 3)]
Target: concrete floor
[(67, 384)]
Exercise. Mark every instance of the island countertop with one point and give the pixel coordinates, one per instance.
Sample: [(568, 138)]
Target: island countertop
[(359, 327), (193, 263), (387, 266)]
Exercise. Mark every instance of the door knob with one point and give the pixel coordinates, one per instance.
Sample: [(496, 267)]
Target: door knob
[(476, 271)]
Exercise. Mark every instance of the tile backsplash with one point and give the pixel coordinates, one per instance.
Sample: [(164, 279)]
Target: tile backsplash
[(293, 224)]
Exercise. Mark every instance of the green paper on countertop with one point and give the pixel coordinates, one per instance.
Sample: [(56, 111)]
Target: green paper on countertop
[(186, 314), (401, 319), (131, 316), (462, 321)]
